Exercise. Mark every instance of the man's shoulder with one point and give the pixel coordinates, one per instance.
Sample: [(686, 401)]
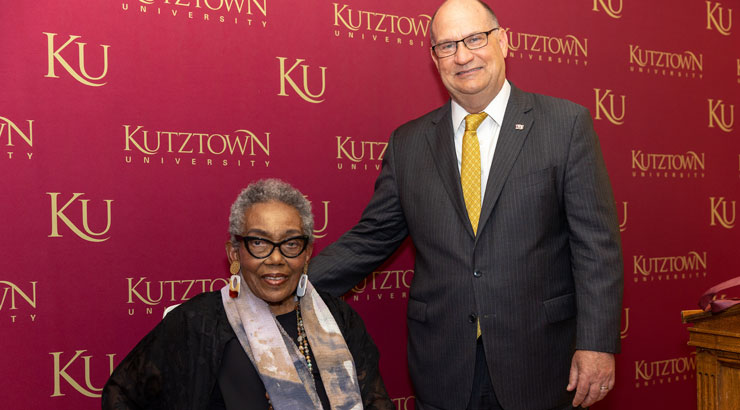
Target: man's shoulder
[(550, 104)]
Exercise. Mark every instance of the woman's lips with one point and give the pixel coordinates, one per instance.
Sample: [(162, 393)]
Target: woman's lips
[(275, 279)]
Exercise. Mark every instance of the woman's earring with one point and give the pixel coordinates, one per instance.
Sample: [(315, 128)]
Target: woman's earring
[(235, 280), (300, 291)]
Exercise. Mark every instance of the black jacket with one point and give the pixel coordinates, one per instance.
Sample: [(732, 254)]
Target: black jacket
[(176, 365)]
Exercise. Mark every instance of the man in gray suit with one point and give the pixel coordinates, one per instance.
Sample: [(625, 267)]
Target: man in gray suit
[(516, 298)]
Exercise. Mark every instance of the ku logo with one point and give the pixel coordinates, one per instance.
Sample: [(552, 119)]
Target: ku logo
[(608, 109), (10, 127), (55, 56), (721, 213), (73, 366), (716, 17), (609, 8), (717, 115), (302, 91), (57, 214)]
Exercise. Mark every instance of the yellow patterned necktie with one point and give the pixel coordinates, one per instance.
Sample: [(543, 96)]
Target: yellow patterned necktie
[(470, 173), (470, 167)]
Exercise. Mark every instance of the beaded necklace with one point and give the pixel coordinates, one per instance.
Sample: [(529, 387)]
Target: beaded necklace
[(303, 340), (302, 347)]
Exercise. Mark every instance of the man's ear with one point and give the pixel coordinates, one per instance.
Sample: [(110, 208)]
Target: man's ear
[(434, 58), (503, 41)]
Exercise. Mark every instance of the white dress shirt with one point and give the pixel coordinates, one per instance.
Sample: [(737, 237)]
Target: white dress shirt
[(488, 132)]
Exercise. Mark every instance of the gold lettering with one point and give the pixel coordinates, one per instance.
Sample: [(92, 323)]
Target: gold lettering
[(341, 149), (130, 139), (320, 233), (626, 328), (27, 136), (135, 289), (623, 222), (303, 92), (61, 373), (387, 275), (572, 46), (379, 22), (58, 214), (609, 9), (338, 16), (609, 113), (402, 403), (261, 7), (661, 59), (715, 18), (132, 291), (190, 285), (721, 216), (646, 371), (720, 119), (14, 289), (184, 143), (54, 56), (265, 147), (635, 56)]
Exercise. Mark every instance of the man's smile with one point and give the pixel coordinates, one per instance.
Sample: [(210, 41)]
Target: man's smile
[(468, 72)]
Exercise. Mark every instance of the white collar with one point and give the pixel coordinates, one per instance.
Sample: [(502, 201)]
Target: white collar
[(495, 109)]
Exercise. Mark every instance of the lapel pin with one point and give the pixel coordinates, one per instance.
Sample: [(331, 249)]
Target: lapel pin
[(519, 126)]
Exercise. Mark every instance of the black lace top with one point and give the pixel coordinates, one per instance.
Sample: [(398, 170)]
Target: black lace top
[(177, 365)]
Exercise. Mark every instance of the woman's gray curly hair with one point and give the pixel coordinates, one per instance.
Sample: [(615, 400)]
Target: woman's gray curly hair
[(266, 190)]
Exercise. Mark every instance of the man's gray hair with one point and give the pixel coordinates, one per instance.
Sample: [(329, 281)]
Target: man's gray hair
[(481, 2), (267, 190)]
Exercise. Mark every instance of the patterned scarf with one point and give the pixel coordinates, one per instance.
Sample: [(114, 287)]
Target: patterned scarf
[(281, 365)]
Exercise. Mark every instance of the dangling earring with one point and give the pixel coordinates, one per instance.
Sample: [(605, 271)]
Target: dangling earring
[(300, 291), (235, 280)]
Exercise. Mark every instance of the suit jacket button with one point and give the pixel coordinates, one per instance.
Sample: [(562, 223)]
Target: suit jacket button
[(477, 274), (472, 318)]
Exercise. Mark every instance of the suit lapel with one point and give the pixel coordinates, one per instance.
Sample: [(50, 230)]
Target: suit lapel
[(517, 124), (442, 145)]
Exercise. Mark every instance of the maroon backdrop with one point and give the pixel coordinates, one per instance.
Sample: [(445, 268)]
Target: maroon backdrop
[(128, 127)]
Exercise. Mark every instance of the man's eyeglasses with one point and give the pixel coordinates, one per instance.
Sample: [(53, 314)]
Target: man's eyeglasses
[(472, 42), (261, 248)]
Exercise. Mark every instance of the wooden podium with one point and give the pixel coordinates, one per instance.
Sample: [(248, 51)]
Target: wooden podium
[(717, 341)]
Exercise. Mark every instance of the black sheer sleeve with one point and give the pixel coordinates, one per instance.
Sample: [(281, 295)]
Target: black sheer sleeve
[(175, 365), (137, 381)]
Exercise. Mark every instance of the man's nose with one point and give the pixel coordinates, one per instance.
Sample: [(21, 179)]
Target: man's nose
[(463, 54)]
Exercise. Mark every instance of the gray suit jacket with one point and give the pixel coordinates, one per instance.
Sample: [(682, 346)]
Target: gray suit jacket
[(543, 274)]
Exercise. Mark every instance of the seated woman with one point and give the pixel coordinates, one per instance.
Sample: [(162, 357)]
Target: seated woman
[(274, 343)]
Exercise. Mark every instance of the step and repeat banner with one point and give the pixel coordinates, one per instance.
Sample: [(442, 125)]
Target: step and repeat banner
[(127, 128)]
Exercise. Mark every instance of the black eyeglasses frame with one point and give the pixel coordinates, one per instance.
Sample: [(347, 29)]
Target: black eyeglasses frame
[(278, 245)]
